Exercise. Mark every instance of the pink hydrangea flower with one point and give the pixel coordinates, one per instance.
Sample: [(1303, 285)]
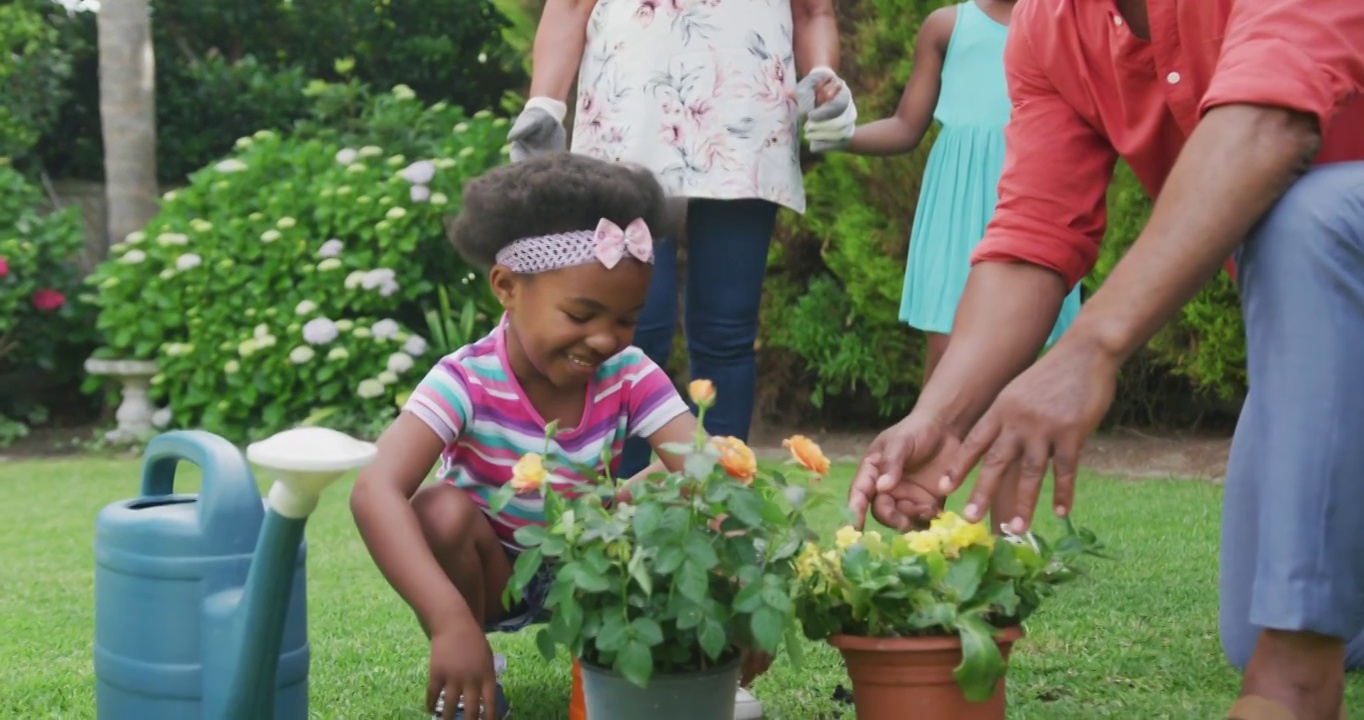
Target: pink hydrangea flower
[(4, 267), (47, 300)]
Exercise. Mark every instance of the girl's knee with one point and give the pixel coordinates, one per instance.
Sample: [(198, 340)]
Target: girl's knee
[(448, 516)]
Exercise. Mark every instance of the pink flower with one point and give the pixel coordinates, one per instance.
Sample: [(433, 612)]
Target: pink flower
[(670, 133), (4, 267), (48, 300)]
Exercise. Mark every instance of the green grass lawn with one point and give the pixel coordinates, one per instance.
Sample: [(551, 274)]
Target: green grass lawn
[(1138, 639)]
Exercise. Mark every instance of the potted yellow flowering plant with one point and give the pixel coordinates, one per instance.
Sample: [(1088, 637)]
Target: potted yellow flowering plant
[(657, 593), (926, 619)]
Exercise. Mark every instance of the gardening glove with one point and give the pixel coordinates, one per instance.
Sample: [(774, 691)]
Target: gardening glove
[(539, 129), (829, 121)]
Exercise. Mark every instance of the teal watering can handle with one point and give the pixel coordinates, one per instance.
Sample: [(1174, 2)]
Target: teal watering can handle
[(228, 486)]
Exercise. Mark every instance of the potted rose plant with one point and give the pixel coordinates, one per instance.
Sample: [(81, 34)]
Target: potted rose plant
[(658, 593), (926, 619)]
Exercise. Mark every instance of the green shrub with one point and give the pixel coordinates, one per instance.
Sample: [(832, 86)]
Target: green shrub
[(35, 66), (43, 326), (290, 277)]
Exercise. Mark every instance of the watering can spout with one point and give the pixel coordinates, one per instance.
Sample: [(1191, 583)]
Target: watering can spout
[(304, 462)]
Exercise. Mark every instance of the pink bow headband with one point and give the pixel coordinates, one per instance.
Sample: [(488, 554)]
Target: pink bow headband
[(607, 245)]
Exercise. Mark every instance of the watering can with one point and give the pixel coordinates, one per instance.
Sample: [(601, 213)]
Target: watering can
[(200, 605)]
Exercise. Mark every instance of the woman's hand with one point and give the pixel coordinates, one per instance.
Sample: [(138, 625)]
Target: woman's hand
[(539, 129)]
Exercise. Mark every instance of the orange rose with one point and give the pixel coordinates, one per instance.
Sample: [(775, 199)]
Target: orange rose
[(528, 474), (702, 393), (807, 453), (736, 458)]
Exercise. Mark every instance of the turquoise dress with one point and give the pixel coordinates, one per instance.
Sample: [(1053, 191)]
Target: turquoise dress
[(958, 194)]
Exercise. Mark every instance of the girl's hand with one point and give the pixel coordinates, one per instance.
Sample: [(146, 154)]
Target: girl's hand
[(462, 667)]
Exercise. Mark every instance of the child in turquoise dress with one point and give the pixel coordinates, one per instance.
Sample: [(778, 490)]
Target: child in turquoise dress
[(958, 81)]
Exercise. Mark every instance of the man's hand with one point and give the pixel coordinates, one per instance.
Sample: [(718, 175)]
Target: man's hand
[(899, 474), (539, 129), (826, 103), (1044, 415)]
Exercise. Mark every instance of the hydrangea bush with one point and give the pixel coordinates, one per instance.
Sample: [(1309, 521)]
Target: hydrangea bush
[(289, 278)]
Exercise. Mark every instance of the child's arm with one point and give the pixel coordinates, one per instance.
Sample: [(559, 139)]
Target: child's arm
[(903, 131), (680, 430), (382, 507)]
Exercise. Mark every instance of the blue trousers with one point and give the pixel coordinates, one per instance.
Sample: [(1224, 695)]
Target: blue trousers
[(1292, 551), (727, 242)]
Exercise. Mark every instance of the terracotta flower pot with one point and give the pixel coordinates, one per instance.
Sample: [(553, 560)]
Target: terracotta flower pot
[(911, 678)]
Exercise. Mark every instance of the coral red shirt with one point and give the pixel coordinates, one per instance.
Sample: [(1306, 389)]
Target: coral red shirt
[(1085, 91)]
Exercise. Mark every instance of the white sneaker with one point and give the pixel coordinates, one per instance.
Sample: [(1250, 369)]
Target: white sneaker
[(746, 706)]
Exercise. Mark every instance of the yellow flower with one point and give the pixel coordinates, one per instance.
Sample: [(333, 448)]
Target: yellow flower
[(736, 458), (846, 537), (946, 521), (528, 474), (968, 535), (702, 393), (807, 453), (924, 542), (807, 562)]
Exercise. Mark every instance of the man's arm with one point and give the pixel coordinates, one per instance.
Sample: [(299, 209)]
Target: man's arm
[(1283, 74), (1042, 239)]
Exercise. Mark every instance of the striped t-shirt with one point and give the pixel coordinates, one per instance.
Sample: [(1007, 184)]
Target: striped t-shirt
[(473, 401)]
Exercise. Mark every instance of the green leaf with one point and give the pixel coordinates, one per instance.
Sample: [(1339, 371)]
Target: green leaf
[(689, 616), (775, 594), (677, 448), (546, 644), (746, 507), (712, 637), (647, 631), (669, 560), (749, 598), (647, 519), (698, 466), (531, 535), (965, 573), (698, 548), (640, 572), (982, 665), (795, 647), (566, 622), (527, 564), (498, 501), (767, 626), (636, 662), (613, 634), (693, 582), (585, 579)]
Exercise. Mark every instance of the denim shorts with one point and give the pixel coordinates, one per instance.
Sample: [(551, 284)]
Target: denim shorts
[(530, 608)]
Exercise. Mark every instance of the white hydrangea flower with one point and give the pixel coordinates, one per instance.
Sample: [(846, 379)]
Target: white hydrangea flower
[(200, 225), (439, 198), (369, 389), (403, 92), (346, 156), (301, 354), (395, 213), (385, 329), (377, 277), (170, 195), (246, 348), (419, 193), (388, 288), (420, 172), (343, 190), (168, 239), (187, 261), (361, 332), (329, 264), (265, 341), (269, 236), (371, 151), (415, 346), (231, 367), (167, 274), (399, 362), (286, 222), (396, 160), (256, 217), (133, 257), (305, 307), (355, 168), (354, 279), (319, 331), (135, 237), (230, 165), (264, 134), (161, 418), (261, 331), (469, 152), (331, 248), (387, 377), (462, 127), (345, 325), (443, 163), (338, 353)]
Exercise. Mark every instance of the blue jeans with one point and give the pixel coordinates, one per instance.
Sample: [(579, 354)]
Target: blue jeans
[(1292, 551), (727, 242)]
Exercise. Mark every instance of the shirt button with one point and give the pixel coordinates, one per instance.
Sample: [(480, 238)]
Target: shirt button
[(1172, 78)]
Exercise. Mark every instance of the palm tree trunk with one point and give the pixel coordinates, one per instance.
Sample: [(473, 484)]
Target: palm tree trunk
[(127, 108)]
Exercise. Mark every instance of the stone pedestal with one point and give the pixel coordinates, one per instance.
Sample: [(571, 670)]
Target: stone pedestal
[(135, 410)]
